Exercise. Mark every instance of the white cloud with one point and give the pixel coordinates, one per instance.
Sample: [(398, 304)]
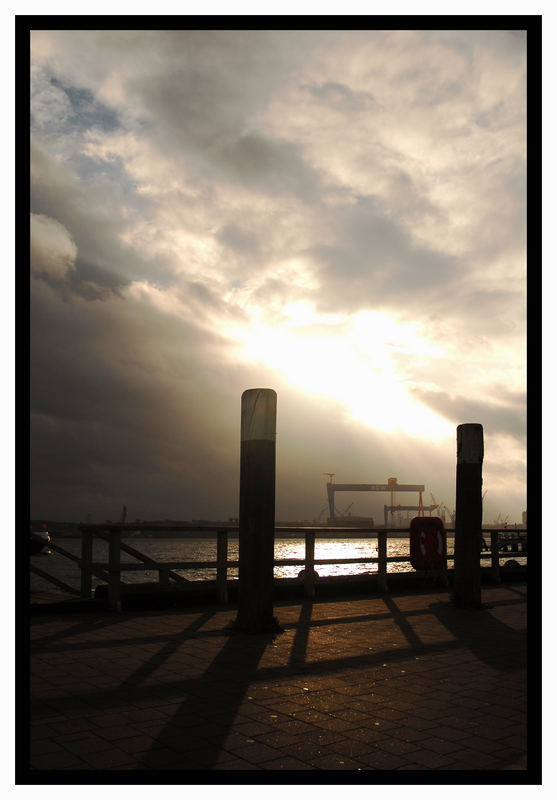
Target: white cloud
[(53, 251), (266, 192)]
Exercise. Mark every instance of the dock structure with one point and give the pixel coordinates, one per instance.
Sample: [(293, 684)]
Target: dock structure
[(397, 682), (390, 680)]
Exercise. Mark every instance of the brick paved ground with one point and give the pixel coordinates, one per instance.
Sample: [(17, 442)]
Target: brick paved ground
[(394, 682)]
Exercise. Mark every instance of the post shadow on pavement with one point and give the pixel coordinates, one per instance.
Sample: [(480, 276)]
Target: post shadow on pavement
[(401, 620), (84, 627), (165, 652), (493, 642), (301, 637), (193, 739)]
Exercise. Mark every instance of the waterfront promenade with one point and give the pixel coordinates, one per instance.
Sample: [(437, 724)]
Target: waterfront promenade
[(401, 681)]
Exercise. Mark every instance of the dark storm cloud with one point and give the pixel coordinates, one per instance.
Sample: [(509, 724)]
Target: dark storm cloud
[(120, 405), (199, 181), (377, 261), (199, 100), (204, 119), (271, 166), (239, 239), (478, 315), (340, 97), (92, 211)]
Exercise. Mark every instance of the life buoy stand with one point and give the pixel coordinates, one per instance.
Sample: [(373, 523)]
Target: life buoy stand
[(428, 543)]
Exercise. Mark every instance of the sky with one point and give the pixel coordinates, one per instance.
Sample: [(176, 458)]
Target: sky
[(337, 215)]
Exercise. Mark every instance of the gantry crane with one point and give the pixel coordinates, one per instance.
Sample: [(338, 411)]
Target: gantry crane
[(391, 486)]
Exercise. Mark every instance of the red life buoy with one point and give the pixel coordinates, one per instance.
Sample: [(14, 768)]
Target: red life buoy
[(428, 544)]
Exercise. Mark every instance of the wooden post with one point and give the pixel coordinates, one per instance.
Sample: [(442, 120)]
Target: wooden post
[(495, 574), (86, 559), (164, 577), (257, 511), (222, 570), (114, 601), (382, 563), (309, 581), (468, 518)]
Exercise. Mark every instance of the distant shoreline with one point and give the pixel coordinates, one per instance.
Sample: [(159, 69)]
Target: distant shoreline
[(73, 529)]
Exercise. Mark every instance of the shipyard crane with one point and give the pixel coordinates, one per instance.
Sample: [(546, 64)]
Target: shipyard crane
[(321, 513), (419, 509), (450, 513), (391, 486), (343, 513)]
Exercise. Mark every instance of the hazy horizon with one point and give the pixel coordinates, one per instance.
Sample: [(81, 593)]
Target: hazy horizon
[(336, 215)]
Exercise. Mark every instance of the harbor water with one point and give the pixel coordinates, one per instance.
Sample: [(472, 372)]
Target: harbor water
[(205, 549)]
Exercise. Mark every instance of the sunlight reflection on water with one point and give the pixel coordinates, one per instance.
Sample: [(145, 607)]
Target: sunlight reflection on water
[(206, 550)]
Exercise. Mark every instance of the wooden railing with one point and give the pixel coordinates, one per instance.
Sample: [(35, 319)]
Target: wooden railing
[(111, 571)]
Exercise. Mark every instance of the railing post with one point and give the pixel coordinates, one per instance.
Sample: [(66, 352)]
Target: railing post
[(382, 563), (222, 569), (114, 601), (495, 574), (86, 559), (309, 578), (164, 578)]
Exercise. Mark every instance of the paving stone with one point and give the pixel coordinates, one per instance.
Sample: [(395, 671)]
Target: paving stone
[(255, 753), (440, 745), (44, 746), (351, 747), (118, 732), (285, 763), (49, 761), (39, 731), (426, 758), (450, 734), (397, 746), (136, 744), (325, 737), (235, 764), (336, 761), (160, 698), (381, 759), (482, 744)]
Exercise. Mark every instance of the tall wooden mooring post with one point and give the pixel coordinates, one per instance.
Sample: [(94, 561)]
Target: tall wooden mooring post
[(257, 511), (468, 516)]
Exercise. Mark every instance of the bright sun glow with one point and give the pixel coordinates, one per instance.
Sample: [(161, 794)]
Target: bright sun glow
[(360, 361)]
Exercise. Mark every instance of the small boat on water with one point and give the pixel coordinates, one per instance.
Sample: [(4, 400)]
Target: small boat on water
[(39, 540)]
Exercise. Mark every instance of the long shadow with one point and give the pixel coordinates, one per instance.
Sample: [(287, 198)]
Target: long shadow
[(170, 647), (42, 643), (153, 638), (301, 637), (132, 691), (493, 642), (166, 691), (193, 739), (400, 619)]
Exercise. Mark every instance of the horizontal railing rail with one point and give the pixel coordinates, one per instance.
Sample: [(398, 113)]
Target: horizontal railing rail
[(500, 539)]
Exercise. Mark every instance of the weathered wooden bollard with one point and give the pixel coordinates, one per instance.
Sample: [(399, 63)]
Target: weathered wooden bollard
[(257, 511), (468, 516)]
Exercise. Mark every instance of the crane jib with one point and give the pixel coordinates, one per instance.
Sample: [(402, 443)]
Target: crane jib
[(375, 487)]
